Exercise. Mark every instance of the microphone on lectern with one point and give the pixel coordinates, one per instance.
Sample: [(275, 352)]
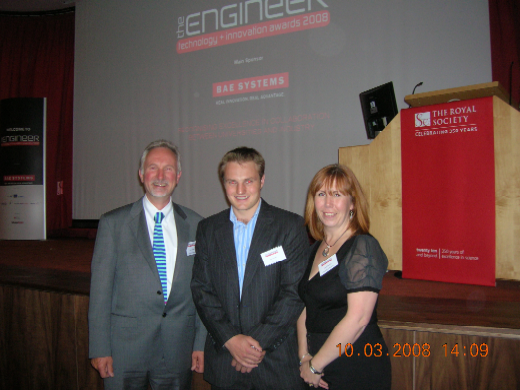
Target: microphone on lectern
[(414, 88)]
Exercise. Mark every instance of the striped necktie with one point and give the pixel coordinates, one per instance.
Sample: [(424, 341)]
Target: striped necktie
[(159, 252)]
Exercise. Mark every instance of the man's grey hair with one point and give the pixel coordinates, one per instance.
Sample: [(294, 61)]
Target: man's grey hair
[(161, 143)]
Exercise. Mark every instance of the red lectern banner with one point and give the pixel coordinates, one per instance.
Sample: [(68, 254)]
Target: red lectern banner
[(448, 174)]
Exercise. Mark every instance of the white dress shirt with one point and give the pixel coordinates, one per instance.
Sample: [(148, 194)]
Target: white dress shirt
[(169, 233)]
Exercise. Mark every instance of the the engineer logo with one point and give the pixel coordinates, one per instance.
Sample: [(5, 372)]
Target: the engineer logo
[(422, 119)]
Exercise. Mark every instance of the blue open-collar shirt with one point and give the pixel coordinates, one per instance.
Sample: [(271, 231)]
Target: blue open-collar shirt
[(243, 234)]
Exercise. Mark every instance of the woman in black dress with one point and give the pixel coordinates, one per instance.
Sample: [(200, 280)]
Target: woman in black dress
[(339, 342)]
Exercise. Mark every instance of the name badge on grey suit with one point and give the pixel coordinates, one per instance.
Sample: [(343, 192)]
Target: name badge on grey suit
[(190, 250)]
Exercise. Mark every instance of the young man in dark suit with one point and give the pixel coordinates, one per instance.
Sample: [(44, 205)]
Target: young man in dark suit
[(249, 261)]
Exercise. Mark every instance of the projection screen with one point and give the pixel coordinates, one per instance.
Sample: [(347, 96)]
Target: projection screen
[(282, 76)]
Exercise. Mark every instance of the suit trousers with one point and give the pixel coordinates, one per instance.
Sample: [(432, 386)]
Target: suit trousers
[(158, 377), (242, 388)]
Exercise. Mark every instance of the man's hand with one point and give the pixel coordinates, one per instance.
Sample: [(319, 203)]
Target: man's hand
[(246, 351), (239, 367), (197, 361), (104, 365)]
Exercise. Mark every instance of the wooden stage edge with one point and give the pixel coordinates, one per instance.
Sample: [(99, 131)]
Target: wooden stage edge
[(64, 266)]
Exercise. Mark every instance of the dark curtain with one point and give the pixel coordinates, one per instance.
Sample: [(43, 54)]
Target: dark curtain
[(37, 60), (504, 16)]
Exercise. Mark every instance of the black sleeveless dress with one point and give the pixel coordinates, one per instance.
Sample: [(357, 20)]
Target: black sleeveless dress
[(362, 265)]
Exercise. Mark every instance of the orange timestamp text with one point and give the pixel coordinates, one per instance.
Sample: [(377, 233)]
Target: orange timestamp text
[(413, 350)]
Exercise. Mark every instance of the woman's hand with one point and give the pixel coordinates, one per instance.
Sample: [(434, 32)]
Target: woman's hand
[(314, 380), (305, 358)]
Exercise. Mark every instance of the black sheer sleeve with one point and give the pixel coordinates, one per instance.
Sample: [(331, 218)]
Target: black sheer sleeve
[(364, 265)]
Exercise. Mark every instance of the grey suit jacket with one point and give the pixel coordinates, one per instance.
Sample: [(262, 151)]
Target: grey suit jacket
[(269, 306), (128, 319)]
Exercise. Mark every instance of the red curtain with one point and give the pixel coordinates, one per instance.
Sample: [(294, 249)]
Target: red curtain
[(37, 60), (504, 16)]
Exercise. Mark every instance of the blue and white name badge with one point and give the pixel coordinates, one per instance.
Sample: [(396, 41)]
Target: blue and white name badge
[(190, 250), (273, 256), (326, 265)]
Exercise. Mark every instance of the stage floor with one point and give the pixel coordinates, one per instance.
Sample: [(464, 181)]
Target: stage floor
[(64, 266), (59, 265)]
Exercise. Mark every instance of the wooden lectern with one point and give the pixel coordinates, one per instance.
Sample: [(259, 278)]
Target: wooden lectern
[(378, 168)]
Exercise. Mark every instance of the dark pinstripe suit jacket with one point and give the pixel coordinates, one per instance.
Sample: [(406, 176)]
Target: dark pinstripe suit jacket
[(270, 304)]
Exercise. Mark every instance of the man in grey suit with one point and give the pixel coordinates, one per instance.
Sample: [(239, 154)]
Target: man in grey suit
[(249, 261), (144, 329)]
